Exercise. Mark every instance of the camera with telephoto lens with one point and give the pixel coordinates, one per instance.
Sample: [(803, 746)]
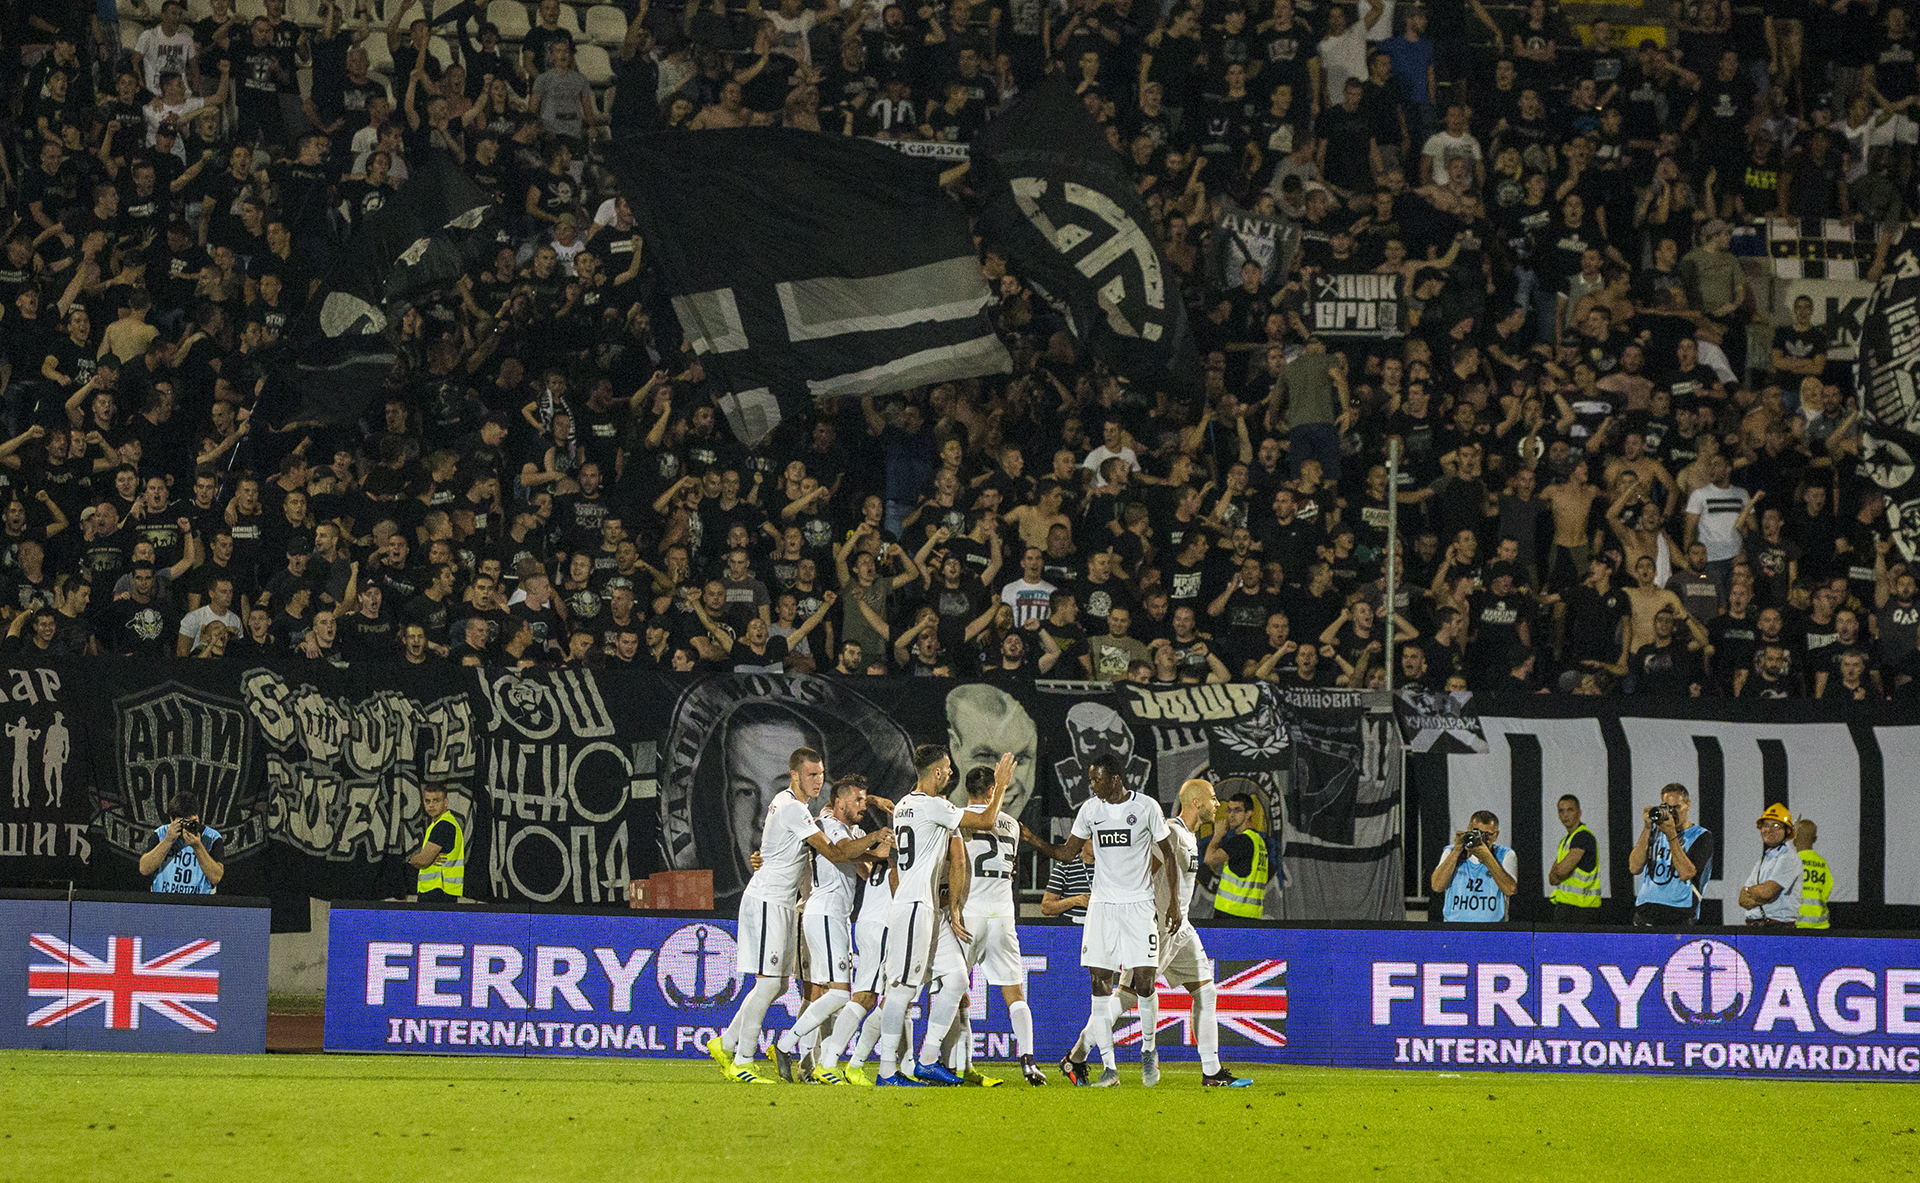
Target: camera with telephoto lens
[(1471, 839), (1659, 815)]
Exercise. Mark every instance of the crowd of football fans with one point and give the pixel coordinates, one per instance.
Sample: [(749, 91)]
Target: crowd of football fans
[(1617, 474)]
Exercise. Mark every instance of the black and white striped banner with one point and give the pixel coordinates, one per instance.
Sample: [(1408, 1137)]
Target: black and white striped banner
[(1857, 775)]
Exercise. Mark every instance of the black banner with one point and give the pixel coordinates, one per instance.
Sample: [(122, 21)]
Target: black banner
[(45, 831), (804, 265), (1357, 305), (572, 782), (341, 348), (1889, 401), (1059, 199)]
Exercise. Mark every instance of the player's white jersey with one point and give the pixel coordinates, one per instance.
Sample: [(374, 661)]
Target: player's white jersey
[(990, 855), (833, 883), (1186, 865), (783, 851), (1123, 836), (876, 895), (921, 827)]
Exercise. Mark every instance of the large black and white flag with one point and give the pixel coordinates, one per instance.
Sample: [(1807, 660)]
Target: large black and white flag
[(1889, 394), (1439, 721), (1057, 198), (432, 231), (803, 265)]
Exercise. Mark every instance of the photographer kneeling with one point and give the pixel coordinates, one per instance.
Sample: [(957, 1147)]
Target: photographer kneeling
[(1476, 873), (185, 855)]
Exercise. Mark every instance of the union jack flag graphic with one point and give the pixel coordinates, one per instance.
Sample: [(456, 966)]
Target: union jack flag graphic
[(1252, 1004), (124, 982)]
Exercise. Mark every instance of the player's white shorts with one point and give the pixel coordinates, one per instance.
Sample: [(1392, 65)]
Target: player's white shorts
[(829, 940), (870, 957), (1120, 936), (767, 936), (1183, 959), (921, 946), (949, 955), (996, 945)]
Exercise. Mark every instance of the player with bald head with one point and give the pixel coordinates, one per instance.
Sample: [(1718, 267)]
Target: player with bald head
[(1183, 960)]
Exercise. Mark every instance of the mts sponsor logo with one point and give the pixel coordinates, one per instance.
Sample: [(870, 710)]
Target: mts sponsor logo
[(1710, 987)]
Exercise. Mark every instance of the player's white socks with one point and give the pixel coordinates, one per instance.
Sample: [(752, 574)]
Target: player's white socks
[(746, 1024), (956, 1049), (949, 993), (1081, 1045), (893, 1020), (1100, 1027), (846, 1026), (1207, 1030), (1149, 1019), (808, 1025), (1022, 1018)]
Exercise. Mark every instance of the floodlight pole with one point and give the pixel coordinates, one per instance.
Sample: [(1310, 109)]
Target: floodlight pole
[(1393, 567)]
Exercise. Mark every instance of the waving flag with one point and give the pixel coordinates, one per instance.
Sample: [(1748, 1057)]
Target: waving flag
[(804, 265)]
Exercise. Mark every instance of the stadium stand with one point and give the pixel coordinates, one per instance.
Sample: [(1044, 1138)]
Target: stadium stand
[(1580, 231)]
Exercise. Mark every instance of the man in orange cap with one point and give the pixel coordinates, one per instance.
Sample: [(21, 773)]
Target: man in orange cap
[(1771, 894)]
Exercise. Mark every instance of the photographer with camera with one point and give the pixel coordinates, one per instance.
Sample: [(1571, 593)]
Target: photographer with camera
[(1771, 894), (1476, 873), (185, 855), (1673, 859)]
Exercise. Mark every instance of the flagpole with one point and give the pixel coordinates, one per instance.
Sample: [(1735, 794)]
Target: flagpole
[(1393, 568), (1399, 753)]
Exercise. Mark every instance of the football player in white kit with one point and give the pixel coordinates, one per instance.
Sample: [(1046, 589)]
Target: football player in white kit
[(857, 1028), (788, 838), (826, 924), (1121, 931), (1183, 960), (990, 920), (926, 838)]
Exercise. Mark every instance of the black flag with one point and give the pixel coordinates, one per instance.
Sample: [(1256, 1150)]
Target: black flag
[(804, 265), (428, 234), (1889, 390), (1057, 197)]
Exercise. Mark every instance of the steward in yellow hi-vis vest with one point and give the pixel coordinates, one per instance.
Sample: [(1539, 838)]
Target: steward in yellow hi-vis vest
[(1238, 850), (1816, 879), (1575, 874), (442, 857)]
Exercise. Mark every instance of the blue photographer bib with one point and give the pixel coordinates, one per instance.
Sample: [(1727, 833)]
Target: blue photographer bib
[(1473, 897), (181, 873), (1659, 883)]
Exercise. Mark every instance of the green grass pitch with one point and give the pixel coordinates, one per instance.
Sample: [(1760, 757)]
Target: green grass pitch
[(287, 1119)]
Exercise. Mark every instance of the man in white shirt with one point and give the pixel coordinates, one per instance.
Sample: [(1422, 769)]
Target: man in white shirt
[(167, 48), (1453, 140), (1112, 447), (1121, 931), (788, 839), (1712, 511), (219, 606), (1030, 596), (1343, 51), (926, 841)]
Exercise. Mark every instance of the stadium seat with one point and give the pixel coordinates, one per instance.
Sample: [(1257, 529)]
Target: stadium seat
[(606, 25), (130, 31), (441, 51), (570, 19), (510, 17), (246, 10), (127, 8), (198, 10), (305, 13), (594, 63)]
